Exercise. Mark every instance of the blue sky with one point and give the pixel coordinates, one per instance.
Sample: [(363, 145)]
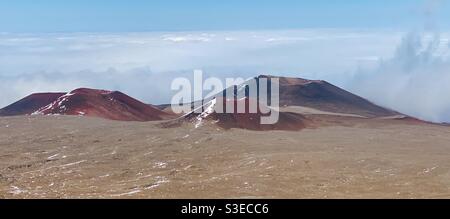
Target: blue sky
[(181, 15)]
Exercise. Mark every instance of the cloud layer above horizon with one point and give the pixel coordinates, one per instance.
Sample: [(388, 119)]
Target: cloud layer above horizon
[(144, 64)]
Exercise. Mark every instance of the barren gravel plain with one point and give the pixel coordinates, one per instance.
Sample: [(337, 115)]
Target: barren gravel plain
[(347, 157)]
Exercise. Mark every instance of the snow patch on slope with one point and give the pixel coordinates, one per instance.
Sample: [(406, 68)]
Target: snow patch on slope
[(57, 104), (206, 113)]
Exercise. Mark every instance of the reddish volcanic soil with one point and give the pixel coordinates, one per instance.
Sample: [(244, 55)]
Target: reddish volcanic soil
[(287, 121), (246, 120), (252, 121), (322, 95), (112, 105), (297, 92), (312, 95), (30, 104)]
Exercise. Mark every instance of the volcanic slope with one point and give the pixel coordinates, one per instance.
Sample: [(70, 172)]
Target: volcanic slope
[(112, 105), (30, 104)]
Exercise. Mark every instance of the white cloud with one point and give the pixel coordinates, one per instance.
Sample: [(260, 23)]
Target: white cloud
[(51, 62), (415, 81), (230, 39), (143, 64), (287, 39), (29, 53), (180, 39)]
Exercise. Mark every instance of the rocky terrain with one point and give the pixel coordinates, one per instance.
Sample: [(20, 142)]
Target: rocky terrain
[(348, 157)]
